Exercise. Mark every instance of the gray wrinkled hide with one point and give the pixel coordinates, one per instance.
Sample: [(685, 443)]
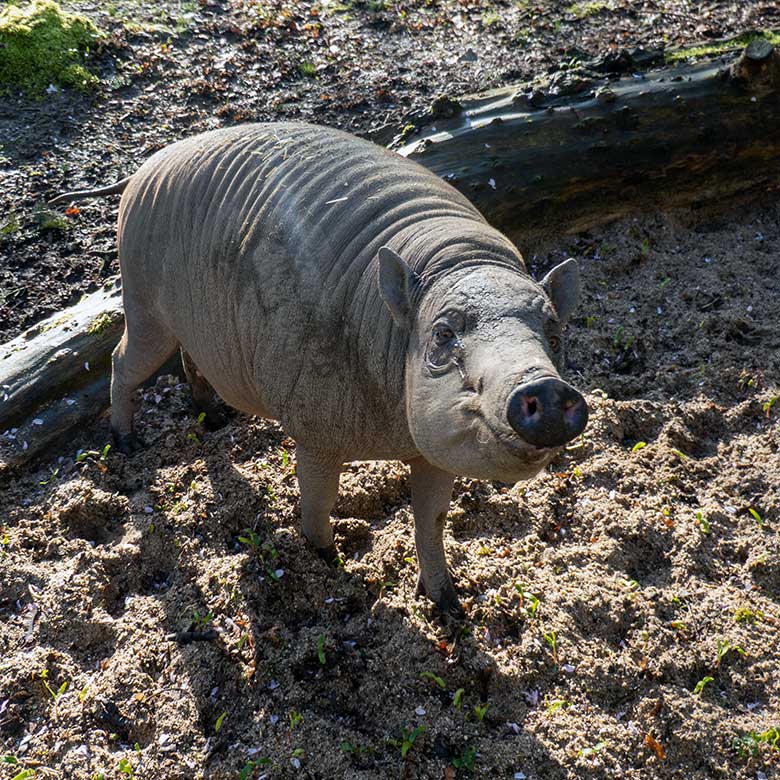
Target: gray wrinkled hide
[(255, 249)]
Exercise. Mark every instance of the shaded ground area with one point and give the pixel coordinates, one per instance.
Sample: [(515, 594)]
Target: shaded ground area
[(171, 69), (622, 608)]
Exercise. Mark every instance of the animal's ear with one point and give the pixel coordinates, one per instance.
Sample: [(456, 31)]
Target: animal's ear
[(562, 285), (396, 282)]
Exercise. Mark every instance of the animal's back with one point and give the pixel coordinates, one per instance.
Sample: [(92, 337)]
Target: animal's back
[(255, 247)]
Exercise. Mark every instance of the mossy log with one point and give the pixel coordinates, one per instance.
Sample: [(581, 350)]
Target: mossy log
[(533, 162), (55, 375), (536, 161)]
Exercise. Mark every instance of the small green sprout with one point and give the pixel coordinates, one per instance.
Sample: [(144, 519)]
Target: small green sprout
[(702, 684), (747, 615), (220, 721), (54, 473), (466, 759), (665, 282), (552, 640), (434, 679), (533, 601), (748, 745), (295, 718), (82, 455), (125, 767), (321, 649), (757, 517), (44, 675), (557, 704), (308, 69), (201, 622), (285, 459), (703, 523), (640, 445), (597, 748), (767, 405), (681, 455), (618, 337), (457, 699), (25, 774), (480, 710), (249, 768), (265, 551), (408, 738), (722, 648)]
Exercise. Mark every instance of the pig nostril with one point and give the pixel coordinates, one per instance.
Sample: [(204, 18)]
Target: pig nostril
[(531, 407)]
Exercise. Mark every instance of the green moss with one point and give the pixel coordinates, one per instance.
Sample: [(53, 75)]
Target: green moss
[(49, 220), (103, 322), (584, 10), (40, 44), (720, 47)]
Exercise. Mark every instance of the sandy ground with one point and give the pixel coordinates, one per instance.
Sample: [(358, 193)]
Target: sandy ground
[(161, 617), (173, 68), (622, 607)]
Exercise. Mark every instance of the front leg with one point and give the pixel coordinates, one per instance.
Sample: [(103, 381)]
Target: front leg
[(431, 493), (318, 479)]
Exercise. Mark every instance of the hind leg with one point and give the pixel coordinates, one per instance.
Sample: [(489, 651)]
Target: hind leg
[(203, 396), (144, 347)]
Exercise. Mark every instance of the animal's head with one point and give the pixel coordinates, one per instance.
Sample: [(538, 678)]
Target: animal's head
[(483, 391)]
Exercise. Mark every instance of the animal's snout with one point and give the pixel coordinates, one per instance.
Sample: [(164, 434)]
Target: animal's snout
[(547, 412)]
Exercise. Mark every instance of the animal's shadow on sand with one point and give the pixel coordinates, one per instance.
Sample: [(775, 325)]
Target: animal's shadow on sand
[(297, 648), (271, 633)]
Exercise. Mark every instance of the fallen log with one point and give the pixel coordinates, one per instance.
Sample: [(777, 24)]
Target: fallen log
[(55, 376), (565, 156), (582, 150)]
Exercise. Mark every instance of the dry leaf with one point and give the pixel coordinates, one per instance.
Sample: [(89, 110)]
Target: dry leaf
[(655, 746)]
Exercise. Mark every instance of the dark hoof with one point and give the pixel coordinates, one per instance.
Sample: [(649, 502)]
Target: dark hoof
[(214, 417), (329, 554), (449, 605), (127, 443), (447, 602)]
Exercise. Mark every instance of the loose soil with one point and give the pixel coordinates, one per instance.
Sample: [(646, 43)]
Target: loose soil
[(651, 545), (161, 617), (173, 68)]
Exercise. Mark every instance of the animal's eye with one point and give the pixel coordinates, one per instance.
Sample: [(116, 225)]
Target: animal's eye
[(555, 343), (443, 335)]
